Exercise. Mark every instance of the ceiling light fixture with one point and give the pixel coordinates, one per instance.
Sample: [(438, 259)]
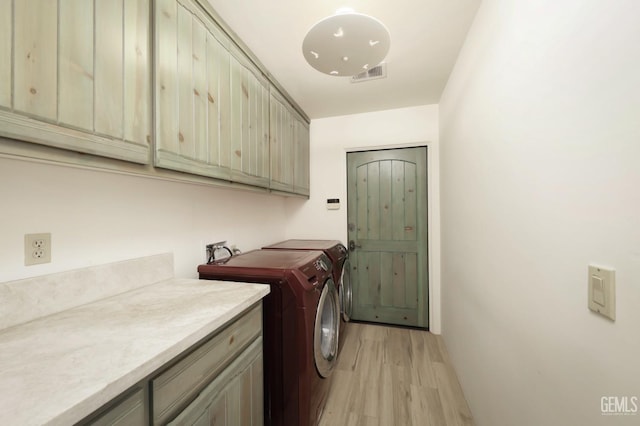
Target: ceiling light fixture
[(346, 44)]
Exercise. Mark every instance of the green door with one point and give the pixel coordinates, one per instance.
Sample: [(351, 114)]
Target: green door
[(387, 215)]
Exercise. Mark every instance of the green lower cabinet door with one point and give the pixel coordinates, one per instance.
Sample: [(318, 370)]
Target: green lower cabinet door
[(235, 397)]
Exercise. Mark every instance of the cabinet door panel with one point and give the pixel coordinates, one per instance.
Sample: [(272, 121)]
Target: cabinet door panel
[(274, 141), (216, 414), (236, 114), (214, 50), (257, 390), (75, 70), (281, 146), (248, 150), (192, 80), (254, 130), (75, 62), (185, 84), (109, 81), (166, 71), (177, 385), (36, 51), (289, 144), (130, 412), (224, 108), (301, 152), (245, 119), (234, 397), (6, 31), (200, 91), (264, 136), (137, 72)]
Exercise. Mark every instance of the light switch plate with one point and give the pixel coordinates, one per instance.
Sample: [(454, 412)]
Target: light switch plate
[(602, 291)]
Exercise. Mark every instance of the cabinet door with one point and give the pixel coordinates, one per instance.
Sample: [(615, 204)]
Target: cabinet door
[(235, 397), (81, 75), (192, 91), (289, 142), (249, 123), (176, 386), (128, 412), (281, 144), (6, 32), (301, 154)]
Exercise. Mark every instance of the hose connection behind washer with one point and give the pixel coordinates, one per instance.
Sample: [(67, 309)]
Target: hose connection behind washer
[(213, 248)]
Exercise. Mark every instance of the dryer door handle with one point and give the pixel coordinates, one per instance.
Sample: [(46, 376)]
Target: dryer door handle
[(353, 245)]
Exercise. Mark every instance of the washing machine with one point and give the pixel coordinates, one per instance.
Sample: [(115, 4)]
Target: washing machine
[(339, 256), (300, 328)]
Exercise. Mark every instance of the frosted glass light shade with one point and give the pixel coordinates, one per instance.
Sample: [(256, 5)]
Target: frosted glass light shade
[(346, 44)]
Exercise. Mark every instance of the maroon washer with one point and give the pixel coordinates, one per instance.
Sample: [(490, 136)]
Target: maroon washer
[(301, 317), (339, 256)]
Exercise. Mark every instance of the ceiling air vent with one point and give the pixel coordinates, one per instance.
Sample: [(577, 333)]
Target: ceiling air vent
[(374, 73)]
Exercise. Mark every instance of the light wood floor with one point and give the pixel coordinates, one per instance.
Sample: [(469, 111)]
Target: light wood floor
[(394, 376)]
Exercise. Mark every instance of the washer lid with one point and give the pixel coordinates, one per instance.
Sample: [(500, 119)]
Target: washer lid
[(305, 244), (273, 259)]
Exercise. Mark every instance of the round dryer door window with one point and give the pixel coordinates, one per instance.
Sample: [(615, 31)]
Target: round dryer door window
[(325, 339)]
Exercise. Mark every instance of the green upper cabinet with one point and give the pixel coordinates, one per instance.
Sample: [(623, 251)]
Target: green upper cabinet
[(76, 75), (193, 96), (6, 33), (281, 143), (249, 123), (301, 155), (212, 103), (289, 145)]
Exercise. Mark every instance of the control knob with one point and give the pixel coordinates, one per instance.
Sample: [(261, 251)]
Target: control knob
[(321, 265)]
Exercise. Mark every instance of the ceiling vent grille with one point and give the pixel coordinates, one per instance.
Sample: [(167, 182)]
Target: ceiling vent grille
[(374, 73)]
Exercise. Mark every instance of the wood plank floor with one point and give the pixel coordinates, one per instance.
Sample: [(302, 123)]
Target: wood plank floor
[(394, 376)]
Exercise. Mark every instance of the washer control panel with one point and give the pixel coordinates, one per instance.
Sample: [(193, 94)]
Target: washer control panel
[(321, 264)]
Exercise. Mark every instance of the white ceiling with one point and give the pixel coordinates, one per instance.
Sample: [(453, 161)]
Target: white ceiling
[(426, 36)]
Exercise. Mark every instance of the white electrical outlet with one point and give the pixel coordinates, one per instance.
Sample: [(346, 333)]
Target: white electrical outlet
[(37, 249)]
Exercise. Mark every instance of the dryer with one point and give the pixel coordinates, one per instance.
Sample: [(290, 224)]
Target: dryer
[(339, 256), (301, 326)]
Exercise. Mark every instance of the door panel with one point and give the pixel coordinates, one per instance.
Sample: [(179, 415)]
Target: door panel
[(75, 64), (108, 72), (35, 55), (387, 211), (6, 33)]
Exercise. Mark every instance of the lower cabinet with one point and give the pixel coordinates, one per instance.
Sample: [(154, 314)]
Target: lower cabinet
[(235, 397), (210, 370), (219, 381), (130, 410)]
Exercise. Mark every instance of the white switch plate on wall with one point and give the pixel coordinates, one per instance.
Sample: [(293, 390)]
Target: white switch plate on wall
[(602, 291)]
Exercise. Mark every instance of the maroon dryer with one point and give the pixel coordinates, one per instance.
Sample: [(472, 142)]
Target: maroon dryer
[(339, 256), (301, 319)]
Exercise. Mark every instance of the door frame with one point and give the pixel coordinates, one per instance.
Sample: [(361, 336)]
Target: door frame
[(433, 221)]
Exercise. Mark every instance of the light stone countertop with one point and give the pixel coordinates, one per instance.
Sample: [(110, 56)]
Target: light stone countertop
[(60, 368)]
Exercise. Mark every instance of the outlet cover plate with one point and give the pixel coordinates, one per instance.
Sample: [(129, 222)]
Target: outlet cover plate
[(37, 249)]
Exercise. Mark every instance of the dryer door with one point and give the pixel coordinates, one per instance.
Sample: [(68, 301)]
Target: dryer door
[(325, 335)]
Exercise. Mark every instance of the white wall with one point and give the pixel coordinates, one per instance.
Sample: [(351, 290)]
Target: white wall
[(331, 138), (540, 165), (98, 217)]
